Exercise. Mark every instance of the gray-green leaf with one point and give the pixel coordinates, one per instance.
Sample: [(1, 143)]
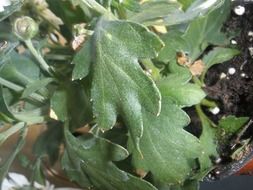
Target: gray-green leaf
[(119, 84), (206, 30), (168, 150), (94, 157), (219, 55), (183, 93), (82, 61)]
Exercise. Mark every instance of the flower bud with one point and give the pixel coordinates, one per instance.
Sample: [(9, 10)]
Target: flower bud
[(25, 28)]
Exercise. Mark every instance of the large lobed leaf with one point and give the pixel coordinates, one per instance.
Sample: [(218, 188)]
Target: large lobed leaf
[(119, 85), (92, 158), (165, 141), (178, 150)]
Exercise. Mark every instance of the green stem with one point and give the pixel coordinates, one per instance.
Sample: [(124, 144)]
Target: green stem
[(97, 7), (197, 81), (10, 85), (203, 116), (18, 88), (38, 56), (121, 12), (155, 72), (208, 103)]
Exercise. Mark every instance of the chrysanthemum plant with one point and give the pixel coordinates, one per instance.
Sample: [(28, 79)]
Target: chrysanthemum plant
[(110, 81)]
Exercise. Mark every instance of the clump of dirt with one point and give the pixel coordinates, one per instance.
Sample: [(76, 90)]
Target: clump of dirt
[(231, 83)]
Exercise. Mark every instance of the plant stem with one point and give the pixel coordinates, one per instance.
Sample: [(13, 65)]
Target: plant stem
[(197, 81), (97, 7), (152, 69), (208, 103), (18, 88), (10, 85), (203, 116), (37, 55)]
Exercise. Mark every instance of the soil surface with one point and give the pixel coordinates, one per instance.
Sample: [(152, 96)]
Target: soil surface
[(230, 84), (234, 92)]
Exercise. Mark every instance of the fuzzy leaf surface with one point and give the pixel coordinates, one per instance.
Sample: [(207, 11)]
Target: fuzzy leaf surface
[(231, 124), (119, 85), (82, 61), (174, 155), (208, 29), (219, 55), (174, 43), (183, 94), (94, 156)]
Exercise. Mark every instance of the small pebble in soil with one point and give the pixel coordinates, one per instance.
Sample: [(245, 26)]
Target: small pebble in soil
[(215, 110), (239, 10), (243, 75), (250, 33), (251, 51), (233, 42), (218, 160), (222, 75), (231, 71)]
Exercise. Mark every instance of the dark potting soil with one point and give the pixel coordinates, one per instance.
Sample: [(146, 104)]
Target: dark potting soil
[(234, 92), (230, 84)]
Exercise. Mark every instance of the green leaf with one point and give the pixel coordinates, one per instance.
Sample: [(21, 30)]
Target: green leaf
[(35, 86), (208, 141), (6, 49), (131, 5), (4, 107), (165, 12), (4, 167), (216, 56), (186, 3), (48, 143), (70, 101), (169, 152), (119, 84), (33, 116), (37, 172), (8, 10), (82, 61), (198, 8), (183, 93), (4, 135), (20, 69), (59, 102), (219, 55), (84, 6), (208, 29), (79, 105), (28, 112), (71, 166), (95, 160), (153, 10), (232, 124), (174, 43)]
